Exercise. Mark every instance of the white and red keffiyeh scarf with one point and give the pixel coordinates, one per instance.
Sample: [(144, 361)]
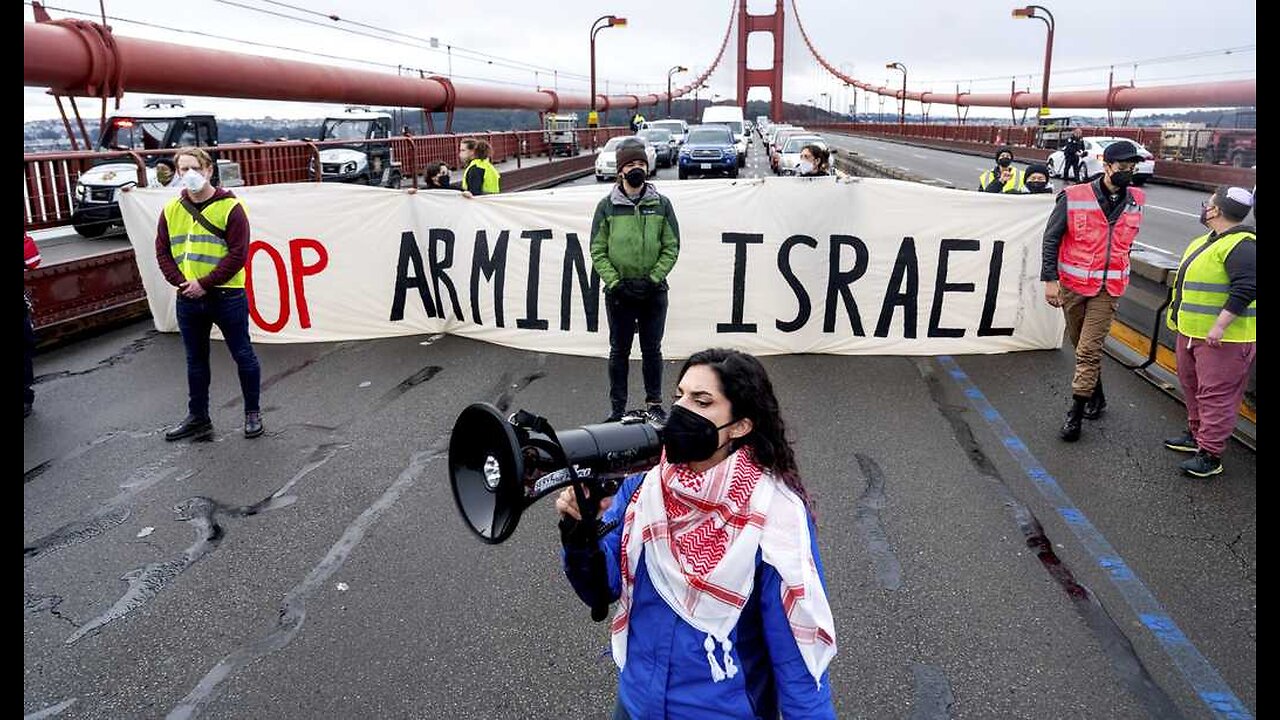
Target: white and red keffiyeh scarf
[(699, 533)]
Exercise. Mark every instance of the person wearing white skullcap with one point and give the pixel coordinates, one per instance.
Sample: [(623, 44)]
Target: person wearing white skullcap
[(1214, 313)]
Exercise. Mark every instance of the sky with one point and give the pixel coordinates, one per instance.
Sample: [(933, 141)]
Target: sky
[(975, 43)]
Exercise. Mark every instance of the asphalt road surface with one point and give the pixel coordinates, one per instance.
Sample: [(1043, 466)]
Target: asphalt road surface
[(323, 571)]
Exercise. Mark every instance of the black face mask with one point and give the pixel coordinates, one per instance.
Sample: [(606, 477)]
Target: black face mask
[(443, 179), (689, 437), (635, 177), (1204, 216), (1004, 162), (1121, 178), (1037, 187)]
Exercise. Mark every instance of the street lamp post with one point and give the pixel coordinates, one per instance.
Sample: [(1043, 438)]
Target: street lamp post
[(672, 71), (699, 86), (609, 21), (813, 111), (828, 97), (902, 114), (1030, 12)]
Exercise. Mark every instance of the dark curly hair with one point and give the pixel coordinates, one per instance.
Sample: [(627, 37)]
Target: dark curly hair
[(750, 393)]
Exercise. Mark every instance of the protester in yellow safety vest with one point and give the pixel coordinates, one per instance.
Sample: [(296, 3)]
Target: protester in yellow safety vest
[(1085, 269), (480, 176), (1037, 179), (201, 245), (1004, 178), (1214, 312), (637, 121), (593, 119)]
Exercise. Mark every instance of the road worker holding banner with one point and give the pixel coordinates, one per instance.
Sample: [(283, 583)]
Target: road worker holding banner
[(1004, 177)]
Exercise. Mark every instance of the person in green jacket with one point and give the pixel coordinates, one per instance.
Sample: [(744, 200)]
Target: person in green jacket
[(635, 240)]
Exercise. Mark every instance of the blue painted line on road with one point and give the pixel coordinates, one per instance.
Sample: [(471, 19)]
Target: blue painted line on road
[(1195, 669)]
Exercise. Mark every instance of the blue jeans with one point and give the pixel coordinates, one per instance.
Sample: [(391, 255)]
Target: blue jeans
[(228, 308), (626, 315)]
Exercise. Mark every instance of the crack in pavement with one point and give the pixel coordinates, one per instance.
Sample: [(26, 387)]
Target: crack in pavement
[(933, 696), (269, 382), (109, 515), (293, 612), (867, 516), (120, 356)]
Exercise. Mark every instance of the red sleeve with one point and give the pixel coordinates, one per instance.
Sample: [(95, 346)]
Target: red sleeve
[(164, 256), (30, 253), (237, 250)]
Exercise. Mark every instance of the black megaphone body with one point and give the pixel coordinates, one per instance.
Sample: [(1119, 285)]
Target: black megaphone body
[(499, 466)]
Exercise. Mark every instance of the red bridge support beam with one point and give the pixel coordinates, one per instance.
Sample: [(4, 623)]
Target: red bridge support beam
[(770, 78)]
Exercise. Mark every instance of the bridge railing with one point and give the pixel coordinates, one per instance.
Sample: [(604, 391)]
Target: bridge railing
[(50, 179)]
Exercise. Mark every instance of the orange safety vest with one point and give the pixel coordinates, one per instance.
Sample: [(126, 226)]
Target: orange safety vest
[(1094, 251)]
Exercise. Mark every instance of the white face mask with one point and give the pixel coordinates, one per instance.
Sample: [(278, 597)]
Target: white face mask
[(805, 167), (193, 181)]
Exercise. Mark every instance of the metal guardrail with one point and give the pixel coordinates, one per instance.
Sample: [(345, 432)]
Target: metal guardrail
[(85, 294), (49, 179)]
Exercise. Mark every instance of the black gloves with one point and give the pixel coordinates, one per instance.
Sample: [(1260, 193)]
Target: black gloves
[(635, 289)]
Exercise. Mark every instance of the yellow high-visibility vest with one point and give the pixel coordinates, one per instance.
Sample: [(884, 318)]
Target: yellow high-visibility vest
[(1201, 289), (492, 177), (196, 250)]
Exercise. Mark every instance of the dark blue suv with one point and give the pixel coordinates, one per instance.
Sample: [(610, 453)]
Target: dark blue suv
[(708, 149)]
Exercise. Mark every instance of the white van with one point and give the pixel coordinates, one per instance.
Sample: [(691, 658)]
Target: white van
[(731, 117)]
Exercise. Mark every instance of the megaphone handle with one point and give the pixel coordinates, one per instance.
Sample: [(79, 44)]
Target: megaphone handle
[(588, 505), (589, 509)]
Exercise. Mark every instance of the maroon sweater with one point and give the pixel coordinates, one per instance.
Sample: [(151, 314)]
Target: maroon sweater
[(237, 247)]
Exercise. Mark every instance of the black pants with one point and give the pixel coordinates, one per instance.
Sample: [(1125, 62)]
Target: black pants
[(626, 315), (1073, 167), (228, 308)]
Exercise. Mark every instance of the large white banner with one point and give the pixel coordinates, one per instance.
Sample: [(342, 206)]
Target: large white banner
[(773, 265)]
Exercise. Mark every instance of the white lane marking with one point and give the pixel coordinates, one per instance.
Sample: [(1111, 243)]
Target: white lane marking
[(922, 157), (1178, 212), (942, 180)]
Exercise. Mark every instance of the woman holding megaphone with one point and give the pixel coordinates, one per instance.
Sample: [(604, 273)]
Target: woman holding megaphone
[(713, 560)]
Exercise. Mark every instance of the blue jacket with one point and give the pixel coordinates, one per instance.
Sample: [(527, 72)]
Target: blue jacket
[(666, 673)]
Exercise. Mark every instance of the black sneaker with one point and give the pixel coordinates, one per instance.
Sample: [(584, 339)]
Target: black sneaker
[(1202, 465), (656, 415), (189, 427), (614, 417), (1186, 442), (253, 424)]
